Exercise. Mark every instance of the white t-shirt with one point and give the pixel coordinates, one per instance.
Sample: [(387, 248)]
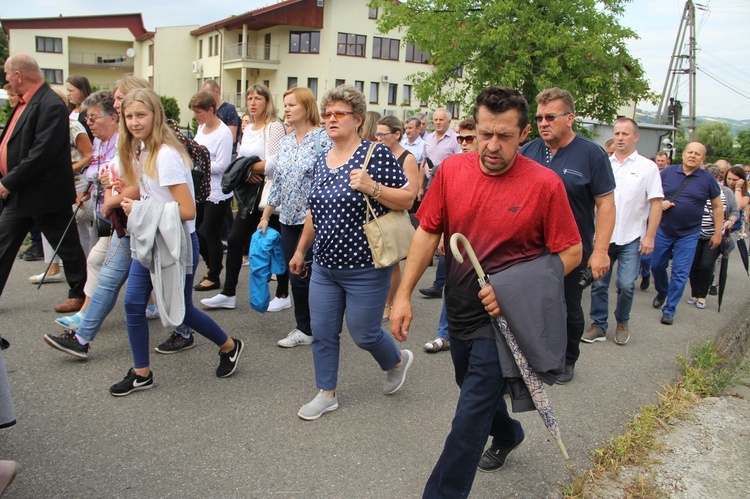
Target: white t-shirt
[(219, 145), (172, 170), (254, 141)]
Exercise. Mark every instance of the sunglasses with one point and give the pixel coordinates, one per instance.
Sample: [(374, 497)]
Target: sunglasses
[(340, 115), (550, 117), (469, 139)]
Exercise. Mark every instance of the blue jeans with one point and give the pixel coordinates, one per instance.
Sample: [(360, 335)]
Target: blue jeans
[(112, 276), (481, 411), (360, 294), (442, 330), (440, 274), (136, 298), (645, 265), (627, 258), (682, 250)]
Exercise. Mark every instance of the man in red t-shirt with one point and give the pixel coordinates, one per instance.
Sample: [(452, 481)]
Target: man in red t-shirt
[(512, 210)]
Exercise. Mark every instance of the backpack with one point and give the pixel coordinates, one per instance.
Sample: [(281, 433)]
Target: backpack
[(201, 163)]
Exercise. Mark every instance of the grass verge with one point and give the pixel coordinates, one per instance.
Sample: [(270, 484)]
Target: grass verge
[(706, 373)]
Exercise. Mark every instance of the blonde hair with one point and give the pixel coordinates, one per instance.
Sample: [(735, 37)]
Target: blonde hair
[(270, 113), (161, 135), (306, 99)]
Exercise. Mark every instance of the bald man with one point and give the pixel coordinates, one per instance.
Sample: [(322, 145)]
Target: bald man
[(36, 176), (437, 146), (687, 187)]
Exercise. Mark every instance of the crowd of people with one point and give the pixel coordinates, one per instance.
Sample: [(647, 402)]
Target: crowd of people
[(569, 209)]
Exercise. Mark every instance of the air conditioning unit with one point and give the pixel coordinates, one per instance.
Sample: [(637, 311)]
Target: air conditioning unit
[(320, 3), (196, 66), (385, 78)]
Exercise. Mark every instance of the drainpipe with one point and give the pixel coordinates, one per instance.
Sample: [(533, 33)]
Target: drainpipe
[(221, 60)]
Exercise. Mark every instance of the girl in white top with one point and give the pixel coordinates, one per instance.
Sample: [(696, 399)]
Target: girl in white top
[(217, 138), (161, 174)]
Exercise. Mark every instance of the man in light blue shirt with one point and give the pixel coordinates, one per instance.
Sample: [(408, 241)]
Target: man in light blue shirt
[(412, 141)]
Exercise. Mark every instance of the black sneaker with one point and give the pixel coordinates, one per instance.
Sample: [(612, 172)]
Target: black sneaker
[(68, 343), (713, 290), (645, 282), (228, 361), (132, 383), (34, 253), (176, 343), (494, 459), (432, 292), (567, 375)]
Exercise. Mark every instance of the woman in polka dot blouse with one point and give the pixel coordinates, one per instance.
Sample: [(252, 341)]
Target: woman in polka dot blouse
[(344, 280)]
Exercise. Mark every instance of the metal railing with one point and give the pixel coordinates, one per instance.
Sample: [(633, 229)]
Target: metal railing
[(100, 59), (251, 52)]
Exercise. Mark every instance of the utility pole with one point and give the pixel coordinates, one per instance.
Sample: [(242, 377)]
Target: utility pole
[(670, 110)]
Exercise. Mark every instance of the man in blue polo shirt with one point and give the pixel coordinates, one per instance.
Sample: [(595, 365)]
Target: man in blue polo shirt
[(589, 182), (686, 189)]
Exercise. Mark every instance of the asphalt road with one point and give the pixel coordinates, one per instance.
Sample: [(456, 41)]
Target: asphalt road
[(194, 435)]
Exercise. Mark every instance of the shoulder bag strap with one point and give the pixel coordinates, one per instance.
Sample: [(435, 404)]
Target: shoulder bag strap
[(369, 209), (682, 187)]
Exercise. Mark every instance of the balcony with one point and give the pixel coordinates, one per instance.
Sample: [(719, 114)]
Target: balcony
[(99, 60), (251, 52)]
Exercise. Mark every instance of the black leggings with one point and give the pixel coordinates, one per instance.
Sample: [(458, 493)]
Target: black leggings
[(209, 221), (242, 231)]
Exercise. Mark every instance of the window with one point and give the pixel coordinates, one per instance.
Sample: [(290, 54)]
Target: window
[(291, 82), (210, 46), (392, 91), (374, 90), (453, 110), (312, 84), (267, 83), (373, 13), (47, 44), (267, 47), (216, 44), (151, 54), (385, 48), (200, 49), (413, 54), (304, 42), (407, 95), (353, 45), (53, 76), (360, 86), (340, 82)]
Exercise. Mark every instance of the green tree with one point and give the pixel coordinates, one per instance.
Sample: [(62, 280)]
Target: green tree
[(171, 108), (4, 52), (743, 151), (530, 45), (717, 137)]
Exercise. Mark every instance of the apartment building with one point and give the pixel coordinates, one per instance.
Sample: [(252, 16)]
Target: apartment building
[(315, 43)]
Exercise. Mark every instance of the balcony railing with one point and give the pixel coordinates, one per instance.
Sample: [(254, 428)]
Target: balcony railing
[(100, 60), (251, 52)]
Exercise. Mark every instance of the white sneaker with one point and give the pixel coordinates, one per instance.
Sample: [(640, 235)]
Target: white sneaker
[(36, 279), (296, 337), (220, 301), (279, 304), (318, 406), (152, 312)]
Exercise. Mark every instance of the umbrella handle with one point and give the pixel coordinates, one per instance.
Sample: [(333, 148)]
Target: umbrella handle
[(484, 279)]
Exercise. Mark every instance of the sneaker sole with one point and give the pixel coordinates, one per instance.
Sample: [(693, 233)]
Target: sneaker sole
[(168, 352), (403, 378), (598, 338), (134, 389), (279, 343), (61, 348), (230, 307), (236, 361), (622, 342), (72, 326), (313, 418)]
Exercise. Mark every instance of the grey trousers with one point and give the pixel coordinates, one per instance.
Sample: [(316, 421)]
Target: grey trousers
[(7, 416)]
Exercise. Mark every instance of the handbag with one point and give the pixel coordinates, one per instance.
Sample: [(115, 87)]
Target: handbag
[(389, 235), (267, 184), (103, 226), (85, 214)]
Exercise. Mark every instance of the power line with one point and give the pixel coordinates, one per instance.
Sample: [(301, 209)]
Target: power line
[(717, 80)]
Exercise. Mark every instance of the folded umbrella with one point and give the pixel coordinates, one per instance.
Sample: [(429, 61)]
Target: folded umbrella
[(530, 379)]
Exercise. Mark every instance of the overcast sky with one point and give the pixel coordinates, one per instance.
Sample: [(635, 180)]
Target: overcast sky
[(722, 30)]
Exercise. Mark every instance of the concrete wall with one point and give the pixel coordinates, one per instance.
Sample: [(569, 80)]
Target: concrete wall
[(174, 50)]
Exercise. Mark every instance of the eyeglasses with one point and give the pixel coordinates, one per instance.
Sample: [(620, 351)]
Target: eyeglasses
[(381, 135), (469, 139), (93, 119), (550, 117), (340, 115)]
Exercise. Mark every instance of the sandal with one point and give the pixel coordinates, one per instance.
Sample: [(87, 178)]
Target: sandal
[(71, 321), (437, 345), (387, 313)]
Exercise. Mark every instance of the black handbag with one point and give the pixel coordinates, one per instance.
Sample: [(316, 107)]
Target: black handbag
[(103, 226)]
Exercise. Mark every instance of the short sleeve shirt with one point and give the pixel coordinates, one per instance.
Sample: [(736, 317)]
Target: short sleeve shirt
[(338, 211), (508, 219), (684, 218), (171, 170), (586, 172), (228, 114)]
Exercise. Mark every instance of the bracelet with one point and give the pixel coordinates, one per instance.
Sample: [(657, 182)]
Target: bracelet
[(267, 219), (374, 189), (379, 189)]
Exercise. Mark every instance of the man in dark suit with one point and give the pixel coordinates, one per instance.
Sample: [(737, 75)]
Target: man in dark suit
[(36, 176)]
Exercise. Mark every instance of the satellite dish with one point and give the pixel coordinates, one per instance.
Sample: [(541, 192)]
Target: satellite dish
[(130, 53)]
